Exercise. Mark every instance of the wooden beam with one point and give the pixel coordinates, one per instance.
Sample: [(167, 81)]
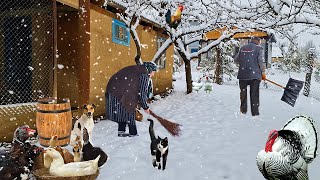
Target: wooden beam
[(84, 43), (215, 34), (71, 3)]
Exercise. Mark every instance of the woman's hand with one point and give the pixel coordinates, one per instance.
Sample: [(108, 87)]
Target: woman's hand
[(147, 110)]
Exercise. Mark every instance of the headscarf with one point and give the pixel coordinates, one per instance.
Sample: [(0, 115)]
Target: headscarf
[(150, 66)]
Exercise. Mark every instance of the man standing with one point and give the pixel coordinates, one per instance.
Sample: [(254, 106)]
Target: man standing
[(251, 71), (124, 91)]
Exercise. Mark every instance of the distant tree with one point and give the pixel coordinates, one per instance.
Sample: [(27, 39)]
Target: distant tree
[(292, 59), (226, 66)]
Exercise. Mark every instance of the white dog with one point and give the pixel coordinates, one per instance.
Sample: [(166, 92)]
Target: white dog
[(86, 120)]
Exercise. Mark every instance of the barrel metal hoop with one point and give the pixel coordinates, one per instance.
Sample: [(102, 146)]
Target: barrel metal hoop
[(53, 111), (44, 145), (62, 138), (52, 101)]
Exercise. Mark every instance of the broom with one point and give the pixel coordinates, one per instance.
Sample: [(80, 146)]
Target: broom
[(171, 127)]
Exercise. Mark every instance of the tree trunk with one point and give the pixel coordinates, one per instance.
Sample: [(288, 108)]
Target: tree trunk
[(310, 61), (219, 67), (187, 67), (199, 57)]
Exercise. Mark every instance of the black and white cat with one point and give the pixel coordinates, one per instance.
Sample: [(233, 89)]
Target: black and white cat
[(159, 148)]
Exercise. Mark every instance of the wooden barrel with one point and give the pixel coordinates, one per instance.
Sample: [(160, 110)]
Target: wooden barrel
[(54, 118)]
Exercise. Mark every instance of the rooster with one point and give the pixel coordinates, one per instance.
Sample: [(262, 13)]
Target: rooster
[(174, 20), (289, 151)]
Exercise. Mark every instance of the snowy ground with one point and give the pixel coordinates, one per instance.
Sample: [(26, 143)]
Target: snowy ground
[(216, 143)]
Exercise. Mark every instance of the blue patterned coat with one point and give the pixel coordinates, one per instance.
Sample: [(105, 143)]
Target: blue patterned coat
[(124, 91)]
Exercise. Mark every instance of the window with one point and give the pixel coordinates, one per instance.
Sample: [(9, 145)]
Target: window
[(120, 33), (192, 50), (161, 62)]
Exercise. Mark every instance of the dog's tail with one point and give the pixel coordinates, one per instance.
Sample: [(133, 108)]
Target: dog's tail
[(151, 130)]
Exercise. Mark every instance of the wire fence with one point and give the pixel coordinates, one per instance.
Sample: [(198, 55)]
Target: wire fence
[(26, 50)]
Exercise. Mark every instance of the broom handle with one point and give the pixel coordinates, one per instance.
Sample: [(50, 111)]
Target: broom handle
[(275, 83), (153, 114)]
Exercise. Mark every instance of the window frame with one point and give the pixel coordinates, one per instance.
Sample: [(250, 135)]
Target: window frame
[(115, 34), (161, 62)]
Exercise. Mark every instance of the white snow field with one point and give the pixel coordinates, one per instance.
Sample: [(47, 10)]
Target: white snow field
[(217, 142)]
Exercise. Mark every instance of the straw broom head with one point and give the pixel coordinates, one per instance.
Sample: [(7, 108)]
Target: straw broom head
[(171, 127)]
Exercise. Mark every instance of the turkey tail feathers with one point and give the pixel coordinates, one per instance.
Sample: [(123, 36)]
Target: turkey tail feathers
[(305, 127), (302, 175)]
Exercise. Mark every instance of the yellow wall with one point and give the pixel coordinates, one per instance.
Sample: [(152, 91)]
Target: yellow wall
[(71, 3), (107, 58), (162, 80)]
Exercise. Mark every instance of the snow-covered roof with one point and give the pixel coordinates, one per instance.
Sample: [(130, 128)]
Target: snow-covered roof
[(276, 52), (145, 17)]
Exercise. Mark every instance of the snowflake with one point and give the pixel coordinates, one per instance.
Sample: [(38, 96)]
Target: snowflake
[(60, 66), (30, 68)]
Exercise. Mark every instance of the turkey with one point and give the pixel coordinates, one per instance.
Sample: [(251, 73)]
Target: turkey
[(18, 162), (289, 151)]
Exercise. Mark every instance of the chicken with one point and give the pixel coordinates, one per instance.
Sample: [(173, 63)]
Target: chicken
[(175, 19), (19, 160), (59, 168), (197, 85), (289, 151), (208, 85)]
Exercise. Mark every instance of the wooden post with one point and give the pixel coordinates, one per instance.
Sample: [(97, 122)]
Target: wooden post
[(55, 67), (310, 61), (199, 57), (219, 67), (84, 43)]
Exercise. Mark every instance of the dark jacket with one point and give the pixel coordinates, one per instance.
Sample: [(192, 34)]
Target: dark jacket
[(250, 60), (129, 86)]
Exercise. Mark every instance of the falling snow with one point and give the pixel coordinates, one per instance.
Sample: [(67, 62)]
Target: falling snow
[(60, 66)]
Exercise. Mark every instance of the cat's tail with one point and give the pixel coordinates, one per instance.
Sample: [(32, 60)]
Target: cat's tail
[(151, 131)]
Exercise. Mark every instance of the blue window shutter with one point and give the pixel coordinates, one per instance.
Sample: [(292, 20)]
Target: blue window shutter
[(118, 28)]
